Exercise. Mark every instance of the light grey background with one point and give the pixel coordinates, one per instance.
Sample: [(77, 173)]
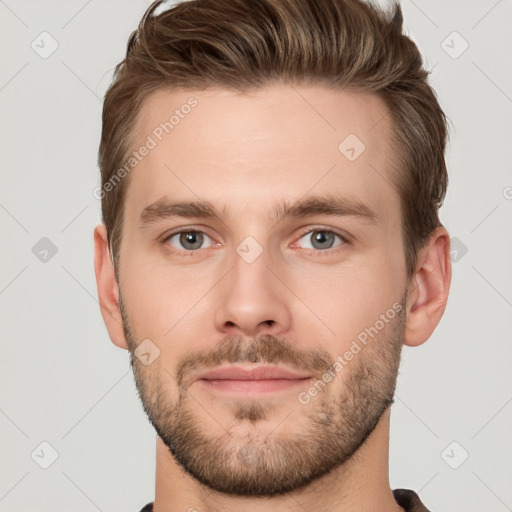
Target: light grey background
[(64, 383)]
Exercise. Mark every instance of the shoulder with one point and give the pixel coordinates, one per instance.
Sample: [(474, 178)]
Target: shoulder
[(409, 500)]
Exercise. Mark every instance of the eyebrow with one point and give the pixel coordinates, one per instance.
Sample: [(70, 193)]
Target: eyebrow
[(332, 205)]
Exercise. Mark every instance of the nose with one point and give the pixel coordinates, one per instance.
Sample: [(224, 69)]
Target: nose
[(252, 301)]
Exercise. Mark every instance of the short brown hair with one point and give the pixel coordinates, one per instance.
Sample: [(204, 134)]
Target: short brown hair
[(248, 44)]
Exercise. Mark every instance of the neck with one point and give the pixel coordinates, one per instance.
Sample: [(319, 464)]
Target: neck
[(361, 484)]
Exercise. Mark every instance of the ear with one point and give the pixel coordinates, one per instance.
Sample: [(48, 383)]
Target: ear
[(428, 289), (108, 290)]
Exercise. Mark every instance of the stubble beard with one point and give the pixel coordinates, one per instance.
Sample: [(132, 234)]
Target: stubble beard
[(334, 426)]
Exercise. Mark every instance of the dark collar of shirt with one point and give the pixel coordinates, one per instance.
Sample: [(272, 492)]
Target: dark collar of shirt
[(406, 498)]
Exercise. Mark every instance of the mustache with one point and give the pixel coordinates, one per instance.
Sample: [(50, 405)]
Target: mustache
[(264, 349)]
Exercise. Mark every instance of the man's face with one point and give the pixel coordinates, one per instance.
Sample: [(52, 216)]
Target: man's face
[(250, 286)]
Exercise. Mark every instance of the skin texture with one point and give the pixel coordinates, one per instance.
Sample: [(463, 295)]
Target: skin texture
[(299, 303)]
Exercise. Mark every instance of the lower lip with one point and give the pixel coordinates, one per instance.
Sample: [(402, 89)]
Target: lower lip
[(253, 386)]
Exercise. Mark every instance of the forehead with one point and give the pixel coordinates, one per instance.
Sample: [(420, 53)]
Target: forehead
[(255, 148)]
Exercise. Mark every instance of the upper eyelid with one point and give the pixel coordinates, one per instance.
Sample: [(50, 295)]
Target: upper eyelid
[(178, 231), (167, 237), (328, 230)]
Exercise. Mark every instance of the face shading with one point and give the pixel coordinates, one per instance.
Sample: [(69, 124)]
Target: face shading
[(251, 240)]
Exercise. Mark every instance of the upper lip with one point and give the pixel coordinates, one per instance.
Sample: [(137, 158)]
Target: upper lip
[(251, 373)]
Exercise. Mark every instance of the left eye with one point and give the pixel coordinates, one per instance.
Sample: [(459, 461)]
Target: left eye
[(321, 239), (189, 240)]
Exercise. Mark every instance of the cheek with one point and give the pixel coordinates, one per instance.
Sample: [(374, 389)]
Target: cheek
[(343, 301), (159, 295)]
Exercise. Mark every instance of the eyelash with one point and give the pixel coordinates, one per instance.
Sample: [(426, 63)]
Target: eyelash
[(193, 252), (326, 252)]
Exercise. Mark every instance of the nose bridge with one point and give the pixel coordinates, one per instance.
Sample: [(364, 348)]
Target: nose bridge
[(252, 298), (250, 264)]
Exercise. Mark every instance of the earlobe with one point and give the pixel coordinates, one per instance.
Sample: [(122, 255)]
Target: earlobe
[(429, 288), (107, 286)]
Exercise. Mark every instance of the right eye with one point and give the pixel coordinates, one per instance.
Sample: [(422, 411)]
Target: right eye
[(189, 240)]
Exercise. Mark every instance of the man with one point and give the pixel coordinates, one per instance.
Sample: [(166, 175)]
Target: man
[(271, 177)]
